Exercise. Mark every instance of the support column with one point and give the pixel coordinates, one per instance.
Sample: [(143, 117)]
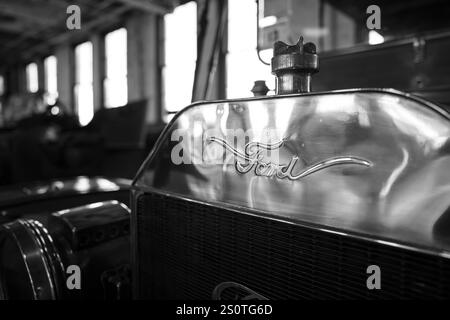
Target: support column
[(143, 48), (65, 75), (98, 47)]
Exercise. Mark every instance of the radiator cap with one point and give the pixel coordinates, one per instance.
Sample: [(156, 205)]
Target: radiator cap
[(293, 66)]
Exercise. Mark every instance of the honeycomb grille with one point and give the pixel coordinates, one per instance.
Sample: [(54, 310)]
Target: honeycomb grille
[(186, 249)]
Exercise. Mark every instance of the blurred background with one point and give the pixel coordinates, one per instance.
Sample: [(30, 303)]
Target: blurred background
[(93, 100)]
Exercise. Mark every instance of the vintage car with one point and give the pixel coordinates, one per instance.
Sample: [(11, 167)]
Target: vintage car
[(360, 179), (327, 195), (316, 195), (49, 226)]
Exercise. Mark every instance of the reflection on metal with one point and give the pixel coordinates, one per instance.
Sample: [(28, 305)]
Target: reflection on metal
[(253, 160), (394, 175), (79, 184), (57, 188), (34, 256), (92, 224), (399, 199), (39, 273), (419, 49)]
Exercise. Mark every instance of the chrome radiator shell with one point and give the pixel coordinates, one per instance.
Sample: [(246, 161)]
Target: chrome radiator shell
[(380, 160)]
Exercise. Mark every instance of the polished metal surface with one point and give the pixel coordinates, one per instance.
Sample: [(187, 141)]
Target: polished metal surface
[(34, 256), (30, 265), (55, 188), (252, 160), (398, 192), (92, 223)]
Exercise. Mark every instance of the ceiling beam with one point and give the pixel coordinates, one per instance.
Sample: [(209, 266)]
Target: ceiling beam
[(74, 34), (36, 13), (15, 28), (146, 5)]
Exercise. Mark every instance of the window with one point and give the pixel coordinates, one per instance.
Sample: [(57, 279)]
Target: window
[(51, 87), (32, 77), (335, 25), (115, 83), (328, 24), (243, 65), (180, 56), (2, 85), (83, 89)]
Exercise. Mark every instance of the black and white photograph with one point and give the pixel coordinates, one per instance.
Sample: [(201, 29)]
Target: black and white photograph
[(223, 156)]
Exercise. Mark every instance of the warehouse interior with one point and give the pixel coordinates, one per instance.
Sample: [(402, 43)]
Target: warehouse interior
[(158, 56), (121, 157)]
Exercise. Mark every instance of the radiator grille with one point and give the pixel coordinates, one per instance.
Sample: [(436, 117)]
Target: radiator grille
[(186, 249)]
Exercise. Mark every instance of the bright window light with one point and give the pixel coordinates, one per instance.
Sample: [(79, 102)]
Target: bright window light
[(2, 92), (115, 83), (51, 87), (2, 85), (32, 77), (180, 56), (83, 90), (375, 37), (243, 65), (267, 21)]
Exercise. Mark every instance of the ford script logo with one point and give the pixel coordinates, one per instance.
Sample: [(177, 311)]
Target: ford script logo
[(252, 159), (235, 291)]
